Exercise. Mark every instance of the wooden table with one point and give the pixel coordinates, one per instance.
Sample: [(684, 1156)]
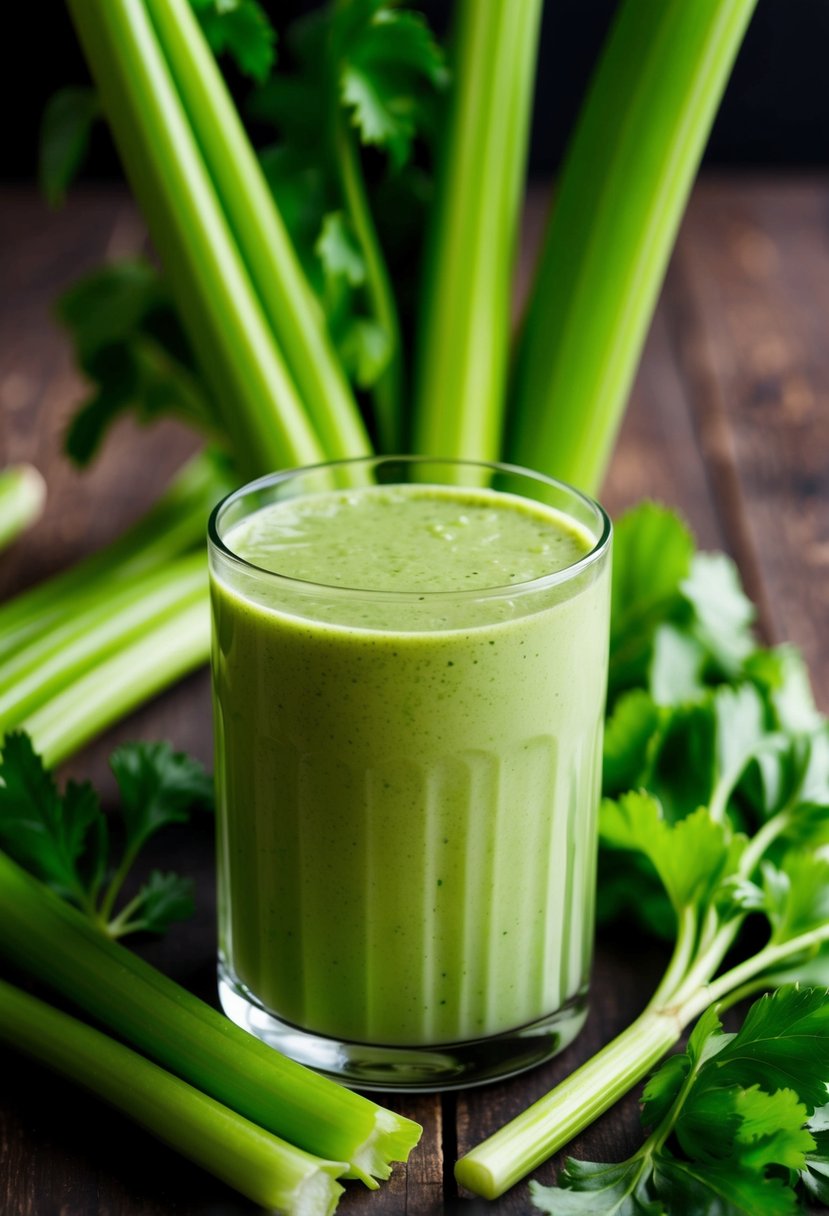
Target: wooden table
[(729, 423)]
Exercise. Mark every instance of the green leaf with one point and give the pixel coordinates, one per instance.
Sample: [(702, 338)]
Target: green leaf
[(740, 729), (723, 614), (796, 895), (594, 1189), (129, 342), (110, 304), (627, 734), (385, 66), (782, 674), (691, 857), (241, 29), (688, 1189), (682, 767), (782, 1044), (65, 131), (772, 1129), (161, 901), (364, 349), (676, 667), (158, 786), (814, 1175), (703, 749), (666, 1082), (338, 250), (61, 840), (651, 560)]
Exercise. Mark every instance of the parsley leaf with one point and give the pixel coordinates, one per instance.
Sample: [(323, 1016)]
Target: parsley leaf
[(158, 786), (385, 53), (730, 1118), (162, 900), (130, 344), (241, 29), (651, 559), (64, 840)]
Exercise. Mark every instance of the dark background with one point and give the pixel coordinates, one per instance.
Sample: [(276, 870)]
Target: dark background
[(775, 112)]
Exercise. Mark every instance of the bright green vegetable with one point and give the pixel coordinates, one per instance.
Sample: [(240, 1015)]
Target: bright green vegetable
[(735, 1122), (251, 384), (265, 1169), (287, 301), (49, 939), (178, 643), (619, 200), (465, 303), (176, 523), (728, 818), (66, 841), (123, 613), (22, 495)]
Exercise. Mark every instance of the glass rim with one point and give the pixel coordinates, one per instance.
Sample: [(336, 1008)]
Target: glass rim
[(305, 586)]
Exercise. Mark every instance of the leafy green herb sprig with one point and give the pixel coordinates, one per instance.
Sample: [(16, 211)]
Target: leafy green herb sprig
[(738, 1121), (65, 839)]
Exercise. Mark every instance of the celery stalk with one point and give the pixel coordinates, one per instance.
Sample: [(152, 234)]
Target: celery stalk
[(253, 389), (286, 297), (465, 304), (51, 940), (22, 494), (496, 1164), (620, 198), (125, 611), (107, 691), (176, 522), (265, 1169)]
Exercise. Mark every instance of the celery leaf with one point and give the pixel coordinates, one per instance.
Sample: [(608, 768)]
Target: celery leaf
[(242, 29), (723, 613), (65, 130), (651, 559), (130, 344), (386, 62)]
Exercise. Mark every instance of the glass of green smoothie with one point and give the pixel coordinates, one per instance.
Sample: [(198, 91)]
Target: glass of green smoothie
[(409, 670)]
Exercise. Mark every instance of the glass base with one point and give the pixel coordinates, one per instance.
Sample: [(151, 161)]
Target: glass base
[(408, 1069)]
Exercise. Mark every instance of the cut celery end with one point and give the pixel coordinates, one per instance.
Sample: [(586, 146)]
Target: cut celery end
[(257, 1164), (47, 938)]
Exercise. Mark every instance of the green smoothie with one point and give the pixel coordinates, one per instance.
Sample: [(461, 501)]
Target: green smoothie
[(408, 709)]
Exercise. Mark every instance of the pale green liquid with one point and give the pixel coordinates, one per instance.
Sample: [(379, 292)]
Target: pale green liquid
[(408, 789)]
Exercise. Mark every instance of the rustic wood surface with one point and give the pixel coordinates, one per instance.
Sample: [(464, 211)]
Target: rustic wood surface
[(729, 423)]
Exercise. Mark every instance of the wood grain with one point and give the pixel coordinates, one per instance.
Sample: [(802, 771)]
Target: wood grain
[(729, 423)]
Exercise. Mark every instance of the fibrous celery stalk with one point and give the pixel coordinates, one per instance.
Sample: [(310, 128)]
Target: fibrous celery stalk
[(260, 1166), (250, 382), (51, 940), (619, 200), (292, 311), (176, 523), (465, 302)]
